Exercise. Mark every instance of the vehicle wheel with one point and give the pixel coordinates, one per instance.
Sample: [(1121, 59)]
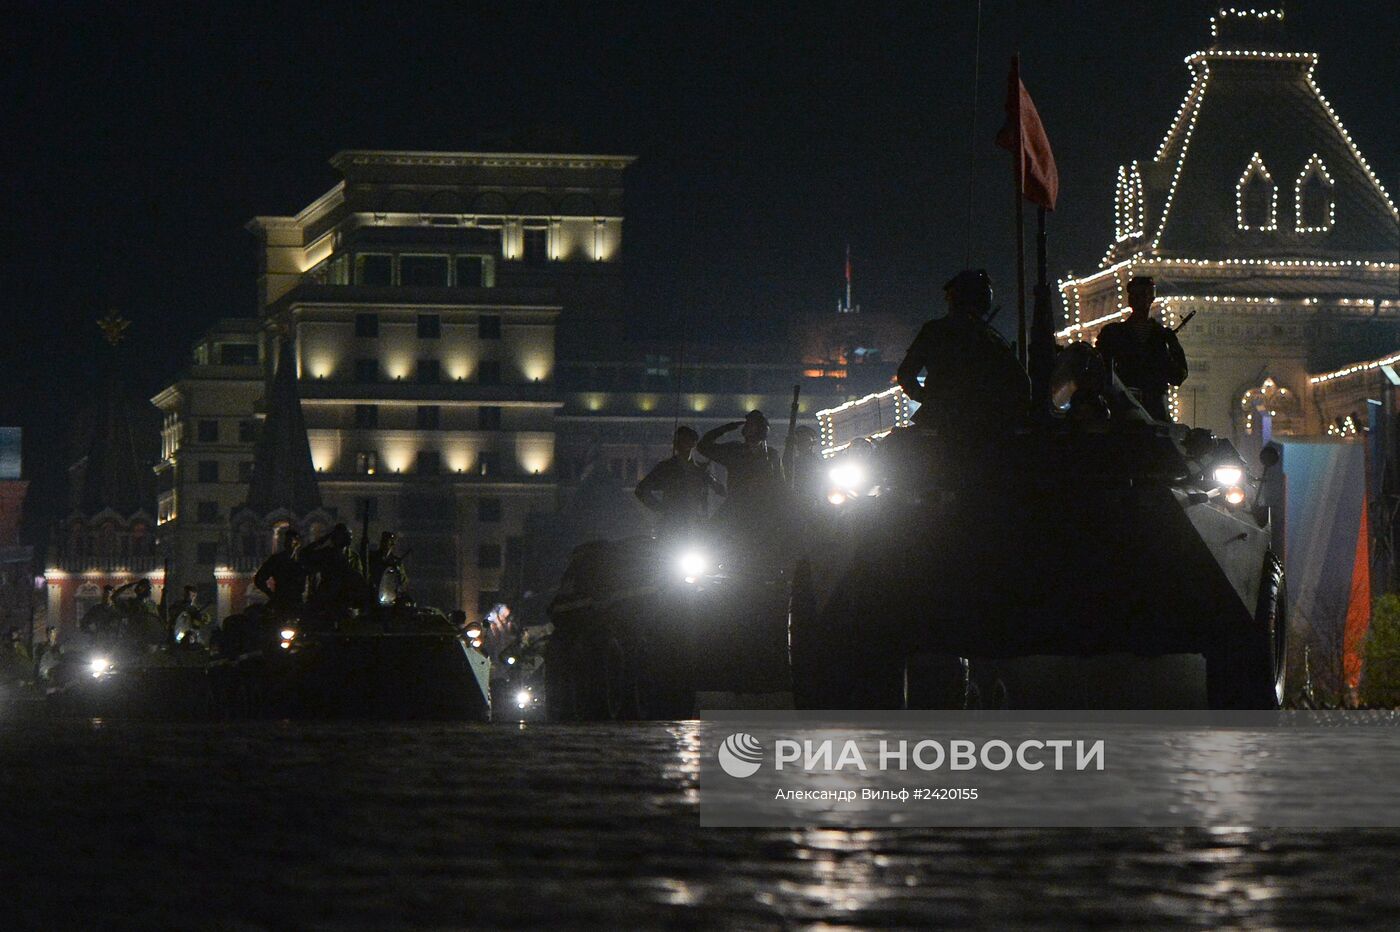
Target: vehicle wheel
[(810, 654), (662, 694), (936, 681), (1247, 670), (619, 677), (831, 670)]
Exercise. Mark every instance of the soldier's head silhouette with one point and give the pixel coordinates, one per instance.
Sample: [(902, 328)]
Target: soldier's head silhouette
[(970, 291), (755, 427), (685, 439), (1142, 291), (341, 536)]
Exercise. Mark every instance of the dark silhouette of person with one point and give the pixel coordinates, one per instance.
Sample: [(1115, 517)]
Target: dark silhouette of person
[(1146, 355), (338, 578), (678, 488), (752, 467), (287, 575), (973, 385)]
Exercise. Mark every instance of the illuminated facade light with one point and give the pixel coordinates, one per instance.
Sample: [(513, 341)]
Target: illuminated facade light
[(1256, 177), (1314, 169)]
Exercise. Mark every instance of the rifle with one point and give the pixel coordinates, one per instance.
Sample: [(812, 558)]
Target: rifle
[(1184, 321), (789, 452)]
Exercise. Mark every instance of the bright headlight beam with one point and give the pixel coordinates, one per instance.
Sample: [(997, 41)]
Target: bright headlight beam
[(847, 475), (1228, 474), (693, 563), (522, 698), (99, 665)]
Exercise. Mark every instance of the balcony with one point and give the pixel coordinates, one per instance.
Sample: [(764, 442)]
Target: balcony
[(408, 391), (538, 299)]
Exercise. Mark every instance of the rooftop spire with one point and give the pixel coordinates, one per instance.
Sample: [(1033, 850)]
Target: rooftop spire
[(116, 475), (283, 473)]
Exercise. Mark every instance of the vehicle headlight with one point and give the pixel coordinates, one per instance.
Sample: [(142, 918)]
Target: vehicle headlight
[(1234, 495), (693, 563), (847, 475), (288, 633), (99, 666), (522, 698), (474, 632), (836, 497), (1228, 474)]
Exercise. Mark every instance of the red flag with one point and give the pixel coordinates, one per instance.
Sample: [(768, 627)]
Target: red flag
[(848, 265), (1023, 134)]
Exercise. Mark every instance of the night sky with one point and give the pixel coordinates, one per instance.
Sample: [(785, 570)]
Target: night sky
[(140, 139)]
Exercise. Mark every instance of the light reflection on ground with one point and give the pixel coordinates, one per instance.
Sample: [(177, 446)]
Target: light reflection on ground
[(381, 826)]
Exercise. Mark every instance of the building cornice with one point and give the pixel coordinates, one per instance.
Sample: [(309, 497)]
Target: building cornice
[(400, 158)]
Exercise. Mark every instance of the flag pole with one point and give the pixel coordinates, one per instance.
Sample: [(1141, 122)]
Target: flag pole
[(1042, 343), (1018, 165)]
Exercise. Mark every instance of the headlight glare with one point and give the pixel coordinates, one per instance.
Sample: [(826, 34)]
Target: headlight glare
[(1228, 474)]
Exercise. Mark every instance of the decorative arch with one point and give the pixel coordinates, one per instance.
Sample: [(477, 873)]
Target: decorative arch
[(1256, 197), (1271, 409), (1314, 208)]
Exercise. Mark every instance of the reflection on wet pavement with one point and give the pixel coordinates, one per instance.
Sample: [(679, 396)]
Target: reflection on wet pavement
[(387, 826)]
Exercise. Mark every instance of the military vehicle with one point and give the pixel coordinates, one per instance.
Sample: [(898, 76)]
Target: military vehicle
[(420, 670), (642, 625), (950, 567)]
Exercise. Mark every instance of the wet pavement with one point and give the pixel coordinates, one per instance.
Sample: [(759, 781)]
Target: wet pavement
[(385, 826)]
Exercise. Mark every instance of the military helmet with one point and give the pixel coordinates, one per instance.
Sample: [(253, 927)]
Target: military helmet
[(971, 288)]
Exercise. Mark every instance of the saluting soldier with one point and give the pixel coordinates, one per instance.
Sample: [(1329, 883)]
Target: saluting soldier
[(678, 488)]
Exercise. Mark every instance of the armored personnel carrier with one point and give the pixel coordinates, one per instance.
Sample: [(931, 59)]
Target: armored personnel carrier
[(946, 567)]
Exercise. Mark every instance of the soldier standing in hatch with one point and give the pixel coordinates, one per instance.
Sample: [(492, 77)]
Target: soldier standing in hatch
[(383, 559), (285, 571), (678, 489), (1146, 355), (973, 385)]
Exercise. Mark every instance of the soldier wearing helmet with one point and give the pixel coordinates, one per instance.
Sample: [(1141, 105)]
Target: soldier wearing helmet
[(973, 384), (1146, 355)]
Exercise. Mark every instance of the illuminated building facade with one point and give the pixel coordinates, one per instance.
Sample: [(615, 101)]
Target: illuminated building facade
[(16, 559), (1258, 213), (426, 296), (209, 425)]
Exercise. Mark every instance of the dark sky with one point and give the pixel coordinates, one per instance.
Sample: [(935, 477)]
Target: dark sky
[(140, 139)]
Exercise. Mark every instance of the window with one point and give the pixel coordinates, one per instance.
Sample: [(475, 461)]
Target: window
[(374, 270), (488, 463), (488, 556), (488, 417), (238, 354), (248, 431), (486, 600), (1316, 210), (338, 271), (535, 243), (366, 416), (1257, 199), (245, 471), (429, 462), (472, 272), (208, 431), (429, 417), (366, 325), (423, 271), (206, 552), (489, 372), (488, 327), (429, 327), (366, 370), (207, 512), (366, 462), (208, 470), (488, 510), (429, 372)]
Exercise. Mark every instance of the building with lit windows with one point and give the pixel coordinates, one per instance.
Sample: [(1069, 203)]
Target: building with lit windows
[(209, 424), (1258, 213), (426, 296)]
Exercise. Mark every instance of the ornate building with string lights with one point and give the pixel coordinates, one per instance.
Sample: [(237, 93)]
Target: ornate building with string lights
[(1258, 213)]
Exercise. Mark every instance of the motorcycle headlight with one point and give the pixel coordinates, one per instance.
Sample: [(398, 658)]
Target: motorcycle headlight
[(1228, 474)]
